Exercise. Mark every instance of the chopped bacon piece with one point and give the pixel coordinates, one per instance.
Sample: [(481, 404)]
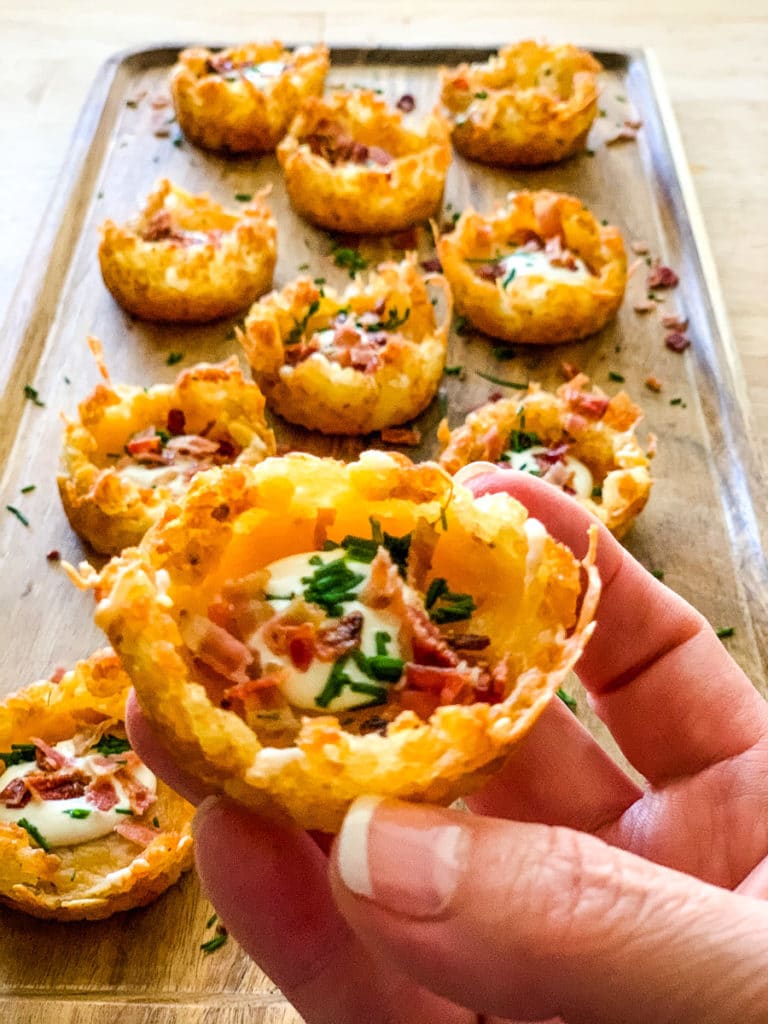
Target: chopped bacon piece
[(16, 794), (569, 370), (677, 341), (192, 444), (552, 455), (432, 266), (653, 383), (176, 421), (148, 444), (57, 785), (489, 271), (660, 276), (640, 248), (558, 255), (633, 123), (429, 646), (139, 796), (450, 683), (421, 702), (624, 134), (142, 835), (244, 692), (102, 793), (54, 555), (410, 437), (298, 353), (646, 306), (341, 637), (159, 226), (377, 155), (674, 322), (590, 405), (559, 475), (469, 641), (48, 758), (406, 103), (218, 649)]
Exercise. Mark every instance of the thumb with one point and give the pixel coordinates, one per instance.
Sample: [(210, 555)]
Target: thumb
[(530, 921)]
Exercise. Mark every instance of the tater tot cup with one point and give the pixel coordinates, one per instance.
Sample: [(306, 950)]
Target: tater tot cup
[(93, 879), (528, 105), (523, 586), (184, 258)]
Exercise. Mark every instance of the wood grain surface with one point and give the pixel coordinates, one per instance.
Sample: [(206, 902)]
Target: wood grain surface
[(149, 967)]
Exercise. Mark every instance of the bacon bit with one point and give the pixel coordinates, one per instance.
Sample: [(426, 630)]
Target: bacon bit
[(147, 443), (640, 248), (102, 793), (677, 341), (220, 513), (491, 444), (429, 646), (634, 266), (193, 444), (569, 370), (176, 421), (409, 437), (379, 156), (558, 255), (48, 758), (653, 383), (421, 702), (647, 306), (552, 455), (660, 276), (54, 555), (590, 405), (57, 785), (624, 134), (160, 101), (406, 103), (344, 636), (244, 692), (141, 798), (58, 674), (574, 423), (300, 645), (633, 123), (449, 683), (489, 271), (674, 322), (432, 266), (460, 83), (142, 835), (298, 353), (218, 649), (469, 641), (16, 794)]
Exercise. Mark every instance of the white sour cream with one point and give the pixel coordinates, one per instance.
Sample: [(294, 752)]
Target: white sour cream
[(302, 688), (537, 264), (51, 817), (265, 73), (174, 478), (581, 478)]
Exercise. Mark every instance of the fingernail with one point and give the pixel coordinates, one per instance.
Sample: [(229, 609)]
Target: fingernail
[(473, 469), (406, 858)]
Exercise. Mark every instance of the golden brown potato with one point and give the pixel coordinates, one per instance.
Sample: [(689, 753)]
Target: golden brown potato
[(538, 270), (306, 631), (578, 440), (185, 258), (530, 104), (85, 829), (352, 163), (132, 449), (242, 99), (366, 360)]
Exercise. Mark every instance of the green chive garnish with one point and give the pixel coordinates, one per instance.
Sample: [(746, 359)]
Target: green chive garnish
[(215, 943), (78, 812), (19, 515), (34, 833), (517, 385), (567, 699), (725, 631)]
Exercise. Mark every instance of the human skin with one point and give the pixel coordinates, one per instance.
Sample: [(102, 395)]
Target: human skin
[(570, 893)]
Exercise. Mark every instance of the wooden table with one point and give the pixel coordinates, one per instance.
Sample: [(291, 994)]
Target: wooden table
[(712, 57)]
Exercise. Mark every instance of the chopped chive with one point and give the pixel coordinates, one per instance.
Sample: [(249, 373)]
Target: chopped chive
[(123, 810), (521, 441), (567, 699), (109, 744), (510, 277), (452, 371), (361, 660), (360, 549), (518, 386), (28, 489), (597, 492), (173, 358), (675, 401), (349, 259), (300, 326), (437, 588), (462, 325), (725, 631), (211, 920), (503, 352), (19, 515), (482, 95), (658, 574), (215, 943), (67, 380), (385, 668), (612, 375), (245, 197), (33, 396), (377, 693), (382, 639), (34, 833), (18, 754), (334, 684), (156, 822), (78, 812), (443, 518)]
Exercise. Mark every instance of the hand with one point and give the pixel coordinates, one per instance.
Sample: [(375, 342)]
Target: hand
[(570, 891)]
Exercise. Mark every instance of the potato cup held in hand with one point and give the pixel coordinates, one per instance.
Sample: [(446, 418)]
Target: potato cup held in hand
[(184, 258), (577, 439), (242, 99), (352, 163), (538, 270), (530, 104), (85, 828), (366, 360), (132, 449), (305, 631)]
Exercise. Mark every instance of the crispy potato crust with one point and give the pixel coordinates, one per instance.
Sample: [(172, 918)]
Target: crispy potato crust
[(336, 169), (184, 258), (531, 104), (599, 432), (223, 102), (343, 397), (105, 506), (526, 587), (535, 309), (95, 879)]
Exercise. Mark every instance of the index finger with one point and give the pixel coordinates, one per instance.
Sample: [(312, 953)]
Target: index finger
[(652, 657)]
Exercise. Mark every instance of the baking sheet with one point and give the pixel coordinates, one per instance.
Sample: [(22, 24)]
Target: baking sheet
[(704, 527)]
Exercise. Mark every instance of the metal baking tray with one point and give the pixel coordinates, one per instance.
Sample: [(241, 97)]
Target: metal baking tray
[(704, 526)]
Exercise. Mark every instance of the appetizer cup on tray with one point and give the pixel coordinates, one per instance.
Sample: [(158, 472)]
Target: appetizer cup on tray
[(530, 104), (306, 631), (85, 828), (134, 449), (352, 163), (241, 100), (538, 270), (184, 258)]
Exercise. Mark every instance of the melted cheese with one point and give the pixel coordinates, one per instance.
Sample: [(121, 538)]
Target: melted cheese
[(51, 817), (581, 478), (537, 264), (302, 688)]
